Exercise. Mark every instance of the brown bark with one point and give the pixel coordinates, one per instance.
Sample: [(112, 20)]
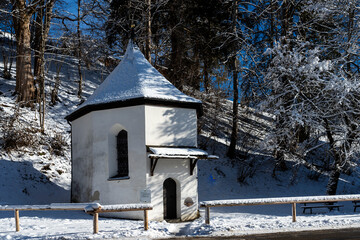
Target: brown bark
[(350, 35), (338, 152), (283, 143), (335, 172), (38, 35), (287, 12), (42, 27), (206, 76), (54, 91), (272, 24), (79, 55), (177, 48), (233, 140), (148, 31), (175, 59), (24, 77)]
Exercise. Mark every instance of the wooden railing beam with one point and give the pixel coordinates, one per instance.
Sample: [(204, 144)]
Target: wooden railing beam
[(95, 210), (272, 201)]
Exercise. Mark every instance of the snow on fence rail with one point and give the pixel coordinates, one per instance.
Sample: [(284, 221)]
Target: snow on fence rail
[(90, 208), (279, 200)]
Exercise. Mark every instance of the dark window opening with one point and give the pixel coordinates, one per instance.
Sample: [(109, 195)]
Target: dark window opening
[(122, 154)]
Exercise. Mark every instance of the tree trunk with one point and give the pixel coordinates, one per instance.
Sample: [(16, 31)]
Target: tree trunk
[(42, 27), (24, 77), (303, 133), (287, 12), (177, 48), (284, 143), (233, 140), (272, 32), (206, 77), (195, 70), (55, 90), (333, 181), (335, 172), (148, 31), (79, 51), (349, 36), (38, 34), (175, 58)]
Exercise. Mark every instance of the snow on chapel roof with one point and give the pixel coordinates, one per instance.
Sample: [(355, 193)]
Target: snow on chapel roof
[(134, 81)]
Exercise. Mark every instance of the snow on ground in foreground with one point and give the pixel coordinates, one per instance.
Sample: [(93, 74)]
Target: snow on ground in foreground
[(213, 184), (78, 225)]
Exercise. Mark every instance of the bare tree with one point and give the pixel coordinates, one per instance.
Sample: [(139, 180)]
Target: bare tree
[(7, 41), (22, 13), (42, 27)]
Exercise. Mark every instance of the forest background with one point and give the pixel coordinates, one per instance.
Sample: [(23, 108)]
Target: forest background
[(296, 60)]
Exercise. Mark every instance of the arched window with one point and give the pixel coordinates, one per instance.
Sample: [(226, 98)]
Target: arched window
[(122, 154)]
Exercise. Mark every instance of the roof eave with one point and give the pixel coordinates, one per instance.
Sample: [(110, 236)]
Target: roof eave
[(133, 102)]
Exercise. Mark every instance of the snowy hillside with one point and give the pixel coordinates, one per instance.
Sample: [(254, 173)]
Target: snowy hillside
[(37, 170), (38, 165)]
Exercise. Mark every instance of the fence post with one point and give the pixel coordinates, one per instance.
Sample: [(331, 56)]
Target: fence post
[(146, 220), (293, 212), (17, 220), (96, 222), (207, 215)]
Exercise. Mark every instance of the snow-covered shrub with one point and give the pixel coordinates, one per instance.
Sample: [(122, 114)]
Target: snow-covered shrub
[(58, 144), (16, 134), (314, 175), (6, 74), (245, 171)]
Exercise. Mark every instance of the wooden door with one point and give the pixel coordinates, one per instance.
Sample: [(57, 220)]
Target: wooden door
[(169, 194)]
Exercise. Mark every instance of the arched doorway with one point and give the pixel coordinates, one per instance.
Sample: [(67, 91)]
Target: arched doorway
[(169, 195)]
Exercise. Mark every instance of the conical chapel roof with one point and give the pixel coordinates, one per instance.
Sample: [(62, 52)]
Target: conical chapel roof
[(133, 82)]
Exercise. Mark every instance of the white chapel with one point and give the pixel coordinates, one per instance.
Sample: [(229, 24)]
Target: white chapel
[(135, 140)]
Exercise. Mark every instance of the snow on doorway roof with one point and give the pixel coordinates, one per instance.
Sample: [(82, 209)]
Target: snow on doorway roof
[(177, 152), (134, 79)]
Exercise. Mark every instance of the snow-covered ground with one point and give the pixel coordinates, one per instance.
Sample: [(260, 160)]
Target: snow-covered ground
[(216, 181), (35, 175)]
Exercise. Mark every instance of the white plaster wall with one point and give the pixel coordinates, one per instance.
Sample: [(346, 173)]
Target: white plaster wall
[(186, 185), (82, 158), (105, 125), (169, 126)]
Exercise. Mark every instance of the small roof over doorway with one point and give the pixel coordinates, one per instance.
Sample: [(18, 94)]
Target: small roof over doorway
[(193, 154)]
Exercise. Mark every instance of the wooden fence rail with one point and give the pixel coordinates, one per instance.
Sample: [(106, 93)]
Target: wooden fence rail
[(90, 208), (269, 201)]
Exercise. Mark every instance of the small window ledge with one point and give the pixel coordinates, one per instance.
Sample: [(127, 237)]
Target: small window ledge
[(118, 178)]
